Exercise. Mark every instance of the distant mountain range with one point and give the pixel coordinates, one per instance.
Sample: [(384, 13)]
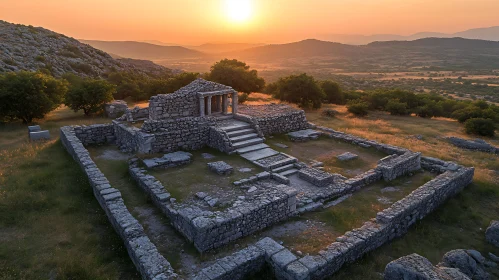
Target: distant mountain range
[(487, 33)]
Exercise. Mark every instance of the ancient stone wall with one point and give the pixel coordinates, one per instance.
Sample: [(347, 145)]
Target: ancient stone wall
[(390, 223), (275, 118), (219, 139), (182, 103), (189, 133), (131, 139), (95, 134), (144, 254), (395, 166), (209, 230)]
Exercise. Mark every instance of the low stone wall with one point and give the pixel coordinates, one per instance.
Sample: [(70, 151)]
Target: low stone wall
[(95, 134), (131, 139), (366, 178), (476, 145), (190, 133), (315, 176), (251, 121), (395, 166), (390, 223), (219, 139), (276, 118), (209, 230), (144, 254)]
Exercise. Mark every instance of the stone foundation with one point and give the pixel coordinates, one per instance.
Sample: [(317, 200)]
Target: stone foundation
[(209, 230), (143, 253), (95, 134), (395, 166)]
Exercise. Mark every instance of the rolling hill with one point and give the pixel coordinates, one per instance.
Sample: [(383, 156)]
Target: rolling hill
[(141, 50)]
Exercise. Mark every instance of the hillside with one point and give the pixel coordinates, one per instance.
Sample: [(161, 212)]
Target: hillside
[(444, 53), (223, 47), (141, 50), (34, 48)]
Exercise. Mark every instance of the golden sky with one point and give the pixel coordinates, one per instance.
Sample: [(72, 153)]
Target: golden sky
[(256, 21)]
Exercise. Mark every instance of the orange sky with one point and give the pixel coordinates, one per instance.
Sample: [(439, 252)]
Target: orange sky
[(271, 21)]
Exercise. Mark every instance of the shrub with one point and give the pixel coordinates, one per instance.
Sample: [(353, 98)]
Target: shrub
[(333, 92), (396, 108), (358, 108), (29, 95), (329, 113), (89, 95), (242, 98), (300, 89), (480, 126)]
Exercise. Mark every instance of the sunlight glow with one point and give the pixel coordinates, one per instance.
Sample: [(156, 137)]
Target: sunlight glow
[(238, 10)]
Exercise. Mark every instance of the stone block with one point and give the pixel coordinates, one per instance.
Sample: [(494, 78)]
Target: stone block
[(220, 167), (39, 135), (347, 156), (492, 233), (34, 128)]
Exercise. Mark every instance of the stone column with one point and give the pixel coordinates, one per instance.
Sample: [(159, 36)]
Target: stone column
[(208, 104), (224, 104), (234, 102), (219, 103), (201, 106)]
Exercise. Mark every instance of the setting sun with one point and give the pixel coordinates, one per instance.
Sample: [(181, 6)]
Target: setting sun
[(238, 10)]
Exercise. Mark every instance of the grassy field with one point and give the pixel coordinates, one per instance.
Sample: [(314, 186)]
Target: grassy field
[(51, 226)]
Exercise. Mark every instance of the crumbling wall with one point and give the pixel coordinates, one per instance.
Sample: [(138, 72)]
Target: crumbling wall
[(394, 166), (209, 230), (219, 139), (189, 133), (144, 254), (95, 134)]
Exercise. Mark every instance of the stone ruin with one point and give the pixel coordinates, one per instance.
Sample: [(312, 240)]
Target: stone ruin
[(198, 116)]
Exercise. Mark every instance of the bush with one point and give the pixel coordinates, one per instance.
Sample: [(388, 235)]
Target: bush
[(242, 98), (329, 113), (89, 95), (358, 108), (480, 126), (333, 92), (29, 95), (396, 108), (299, 89)]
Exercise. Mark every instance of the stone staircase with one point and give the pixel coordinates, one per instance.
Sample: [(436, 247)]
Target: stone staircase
[(250, 146)]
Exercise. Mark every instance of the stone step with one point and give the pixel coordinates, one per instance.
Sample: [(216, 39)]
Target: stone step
[(236, 127), (251, 148), (289, 172), (281, 163), (259, 154), (240, 132), (284, 168), (247, 143), (243, 137)]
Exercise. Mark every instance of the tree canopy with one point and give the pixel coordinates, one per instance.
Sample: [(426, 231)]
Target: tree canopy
[(29, 95), (89, 95), (236, 74), (333, 92), (299, 89)]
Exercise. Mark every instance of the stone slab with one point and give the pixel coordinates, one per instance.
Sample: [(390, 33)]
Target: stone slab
[(252, 148), (259, 154), (169, 160), (303, 135), (347, 156), (34, 128), (39, 135)]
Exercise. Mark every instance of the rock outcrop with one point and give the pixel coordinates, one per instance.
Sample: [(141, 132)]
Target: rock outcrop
[(492, 233), (456, 264)]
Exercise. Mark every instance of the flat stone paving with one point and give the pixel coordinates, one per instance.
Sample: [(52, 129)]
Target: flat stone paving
[(259, 154)]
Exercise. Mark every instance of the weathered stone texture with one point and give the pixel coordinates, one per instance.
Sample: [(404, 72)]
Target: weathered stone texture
[(144, 254), (476, 144), (115, 108), (95, 134), (492, 233), (182, 103), (276, 118), (395, 166)]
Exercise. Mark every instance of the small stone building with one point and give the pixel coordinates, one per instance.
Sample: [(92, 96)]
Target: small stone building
[(199, 98)]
